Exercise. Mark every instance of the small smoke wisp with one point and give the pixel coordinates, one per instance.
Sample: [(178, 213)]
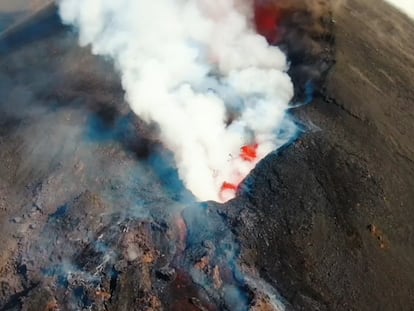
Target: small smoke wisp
[(215, 87)]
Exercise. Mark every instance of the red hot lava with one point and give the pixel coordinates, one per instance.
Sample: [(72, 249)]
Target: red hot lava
[(248, 153), (267, 18), (229, 186)]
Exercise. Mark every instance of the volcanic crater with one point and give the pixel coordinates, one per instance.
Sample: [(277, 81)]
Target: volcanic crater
[(94, 215)]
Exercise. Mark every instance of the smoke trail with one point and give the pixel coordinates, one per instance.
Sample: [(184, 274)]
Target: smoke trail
[(200, 71)]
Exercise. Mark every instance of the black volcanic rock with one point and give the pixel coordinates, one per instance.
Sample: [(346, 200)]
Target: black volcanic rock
[(328, 220)]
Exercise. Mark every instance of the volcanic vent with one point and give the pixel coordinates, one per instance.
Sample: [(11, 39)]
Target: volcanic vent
[(202, 73), (114, 233)]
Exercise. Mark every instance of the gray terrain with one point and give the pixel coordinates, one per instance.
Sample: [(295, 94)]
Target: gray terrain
[(94, 217)]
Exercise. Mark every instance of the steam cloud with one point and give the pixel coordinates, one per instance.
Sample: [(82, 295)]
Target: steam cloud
[(199, 70)]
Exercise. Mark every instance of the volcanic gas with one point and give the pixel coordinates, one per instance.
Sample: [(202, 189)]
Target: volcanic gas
[(188, 66)]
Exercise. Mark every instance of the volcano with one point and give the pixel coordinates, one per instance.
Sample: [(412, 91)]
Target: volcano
[(94, 215)]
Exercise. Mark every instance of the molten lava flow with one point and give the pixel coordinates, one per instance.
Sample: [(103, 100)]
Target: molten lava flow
[(228, 186), (249, 152), (228, 191), (267, 18)]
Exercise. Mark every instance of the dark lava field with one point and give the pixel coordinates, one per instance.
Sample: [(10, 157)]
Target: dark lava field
[(93, 215)]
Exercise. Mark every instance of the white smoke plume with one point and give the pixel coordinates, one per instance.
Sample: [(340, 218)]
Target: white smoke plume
[(199, 70)]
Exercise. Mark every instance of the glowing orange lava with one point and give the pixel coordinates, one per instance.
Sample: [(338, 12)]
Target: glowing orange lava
[(249, 152), (228, 186), (267, 18)]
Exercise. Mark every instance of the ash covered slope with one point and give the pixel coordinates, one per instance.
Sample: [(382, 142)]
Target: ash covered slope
[(329, 219), (76, 182)]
